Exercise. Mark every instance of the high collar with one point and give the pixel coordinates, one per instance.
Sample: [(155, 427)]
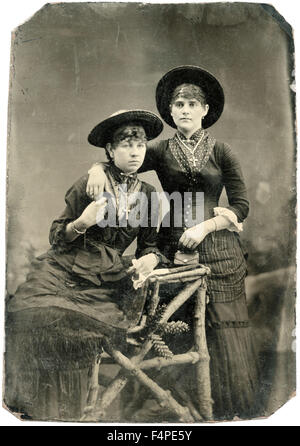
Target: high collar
[(119, 176), (195, 136)]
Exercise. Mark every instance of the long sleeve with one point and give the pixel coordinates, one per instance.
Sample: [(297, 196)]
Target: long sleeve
[(76, 201), (153, 156), (234, 183)]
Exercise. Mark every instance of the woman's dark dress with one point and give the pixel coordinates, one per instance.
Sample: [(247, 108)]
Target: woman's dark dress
[(75, 293), (232, 359)]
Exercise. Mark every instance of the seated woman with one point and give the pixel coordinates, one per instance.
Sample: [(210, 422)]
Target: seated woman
[(80, 290)]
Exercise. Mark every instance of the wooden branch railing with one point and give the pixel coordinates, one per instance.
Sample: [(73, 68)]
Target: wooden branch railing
[(121, 379), (164, 397), (159, 362), (136, 364)]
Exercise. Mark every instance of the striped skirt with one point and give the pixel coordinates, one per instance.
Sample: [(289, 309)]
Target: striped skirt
[(234, 367)]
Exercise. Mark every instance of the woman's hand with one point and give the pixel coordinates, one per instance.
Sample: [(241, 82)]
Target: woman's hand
[(144, 265), (96, 181), (93, 213), (192, 237)]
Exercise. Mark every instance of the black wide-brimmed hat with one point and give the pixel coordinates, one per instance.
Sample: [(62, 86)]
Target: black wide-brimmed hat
[(102, 133), (189, 74)]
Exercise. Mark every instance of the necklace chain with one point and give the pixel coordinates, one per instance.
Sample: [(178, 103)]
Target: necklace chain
[(119, 192), (191, 150)]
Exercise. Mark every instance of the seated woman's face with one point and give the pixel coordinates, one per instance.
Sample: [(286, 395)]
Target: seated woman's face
[(129, 149)]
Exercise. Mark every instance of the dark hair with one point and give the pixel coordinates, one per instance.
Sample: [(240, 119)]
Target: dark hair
[(189, 91)]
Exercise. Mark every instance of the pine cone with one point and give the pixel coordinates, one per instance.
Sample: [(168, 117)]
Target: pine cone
[(175, 328), (160, 346)]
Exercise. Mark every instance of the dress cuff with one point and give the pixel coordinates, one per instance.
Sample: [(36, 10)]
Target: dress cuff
[(235, 226), (58, 237)]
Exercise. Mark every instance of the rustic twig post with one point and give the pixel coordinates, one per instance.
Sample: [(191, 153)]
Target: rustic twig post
[(94, 388), (202, 366)]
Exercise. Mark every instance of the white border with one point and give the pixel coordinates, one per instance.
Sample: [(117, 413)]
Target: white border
[(12, 14)]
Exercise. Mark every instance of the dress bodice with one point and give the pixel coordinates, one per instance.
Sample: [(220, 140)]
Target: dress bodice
[(216, 167), (99, 249)]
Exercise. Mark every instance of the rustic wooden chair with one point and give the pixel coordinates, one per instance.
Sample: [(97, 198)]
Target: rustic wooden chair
[(193, 278)]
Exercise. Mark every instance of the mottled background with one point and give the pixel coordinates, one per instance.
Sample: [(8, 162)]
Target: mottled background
[(74, 64)]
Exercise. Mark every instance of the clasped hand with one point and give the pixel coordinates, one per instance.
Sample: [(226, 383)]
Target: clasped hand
[(192, 237)]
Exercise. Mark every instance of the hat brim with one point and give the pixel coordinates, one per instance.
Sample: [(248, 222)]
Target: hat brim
[(189, 74), (103, 132)]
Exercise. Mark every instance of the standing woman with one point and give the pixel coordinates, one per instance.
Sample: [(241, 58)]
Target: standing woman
[(191, 100)]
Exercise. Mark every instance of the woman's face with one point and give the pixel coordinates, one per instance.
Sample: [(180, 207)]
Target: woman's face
[(188, 113), (128, 154)]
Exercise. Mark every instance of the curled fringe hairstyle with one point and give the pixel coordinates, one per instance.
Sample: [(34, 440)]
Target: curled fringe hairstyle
[(130, 131)]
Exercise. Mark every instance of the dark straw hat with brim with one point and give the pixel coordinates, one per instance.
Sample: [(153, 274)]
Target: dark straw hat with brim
[(103, 132), (189, 74)]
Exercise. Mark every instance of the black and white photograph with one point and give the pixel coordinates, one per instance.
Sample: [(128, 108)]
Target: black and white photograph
[(151, 190)]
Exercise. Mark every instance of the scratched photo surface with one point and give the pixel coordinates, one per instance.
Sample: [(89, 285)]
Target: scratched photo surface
[(72, 66)]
